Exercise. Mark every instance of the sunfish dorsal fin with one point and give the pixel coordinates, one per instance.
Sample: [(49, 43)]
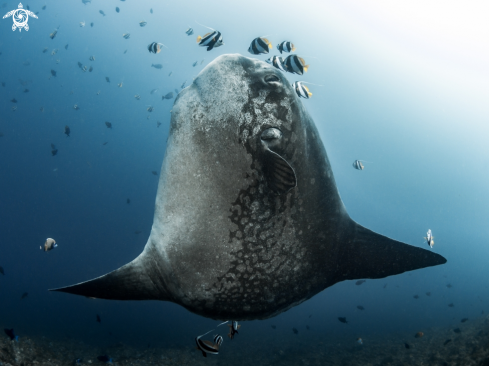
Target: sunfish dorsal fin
[(366, 254)]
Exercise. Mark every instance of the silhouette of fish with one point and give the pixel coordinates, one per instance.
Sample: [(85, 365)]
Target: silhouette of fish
[(360, 307), (446, 342), (295, 331), (342, 319), (359, 282), (98, 319)]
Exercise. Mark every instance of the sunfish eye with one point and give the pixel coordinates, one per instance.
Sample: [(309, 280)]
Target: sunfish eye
[(270, 79), (271, 134)]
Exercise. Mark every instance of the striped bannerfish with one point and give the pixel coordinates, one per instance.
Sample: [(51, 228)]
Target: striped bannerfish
[(210, 40), (295, 65), (233, 329), (207, 346), (357, 164), (259, 45), (189, 32), (277, 62), (286, 46), (155, 47), (301, 90), (430, 239), (218, 340)]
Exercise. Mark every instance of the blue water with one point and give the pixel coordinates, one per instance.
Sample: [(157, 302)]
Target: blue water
[(417, 118)]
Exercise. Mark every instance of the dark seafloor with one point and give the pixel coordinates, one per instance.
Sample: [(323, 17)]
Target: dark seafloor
[(468, 347)]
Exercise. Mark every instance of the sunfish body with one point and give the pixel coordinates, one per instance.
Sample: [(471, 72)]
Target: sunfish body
[(248, 220)]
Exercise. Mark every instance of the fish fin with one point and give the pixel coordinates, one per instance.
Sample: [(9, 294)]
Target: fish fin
[(130, 282), (293, 48), (367, 254), (310, 94), (280, 175), (199, 38), (306, 67)]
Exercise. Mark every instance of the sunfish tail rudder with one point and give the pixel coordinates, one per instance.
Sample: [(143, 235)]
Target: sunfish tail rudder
[(129, 282), (366, 254)]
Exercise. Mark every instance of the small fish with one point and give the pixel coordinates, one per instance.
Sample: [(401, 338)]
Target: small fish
[(14, 100), (153, 91), (137, 96), (44, 7), (107, 79), (277, 62), (189, 32), (210, 40), (41, 109), (66, 47), (10, 333), (151, 10), (154, 172), (108, 124), (343, 320), (359, 282), (194, 64), (90, 69), (157, 66), (86, 2), (295, 331), (176, 91), (117, 9), (446, 342), (233, 329), (360, 307), (273, 326), (464, 320), (67, 131), (201, 61), (2, 271), (45, 50), (357, 164), (416, 297), (183, 84), (50, 243), (158, 124), (419, 335), (82, 24), (24, 295), (451, 305), (119, 85), (407, 346), (286, 46), (52, 35), (126, 35), (360, 341), (171, 72), (98, 93), (142, 23), (457, 330), (104, 358), (80, 65), (301, 90), (76, 107), (53, 73), (14, 108), (84, 68), (155, 47), (207, 346), (428, 294), (260, 46), (295, 65), (101, 12), (128, 201), (168, 96), (430, 239), (449, 286), (98, 319), (150, 108), (92, 58), (105, 143), (26, 90), (91, 24)]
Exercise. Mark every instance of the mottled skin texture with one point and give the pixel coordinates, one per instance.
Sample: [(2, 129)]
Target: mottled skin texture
[(226, 244)]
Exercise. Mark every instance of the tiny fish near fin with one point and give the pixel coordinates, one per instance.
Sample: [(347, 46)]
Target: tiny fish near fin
[(130, 282), (366, 254), (280, 175)]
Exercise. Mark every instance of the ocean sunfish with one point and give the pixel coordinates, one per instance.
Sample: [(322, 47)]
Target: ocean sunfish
[(248, 220)]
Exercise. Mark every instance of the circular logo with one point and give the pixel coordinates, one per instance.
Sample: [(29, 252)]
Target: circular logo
[(20, 18)]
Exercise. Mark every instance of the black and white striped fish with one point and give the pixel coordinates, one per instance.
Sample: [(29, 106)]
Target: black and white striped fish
[(189, 32), (155, 47), (233, 329), (259, 45), (210, 40), (295, 65), (357, 164), (430, 239), (286, 46), (218, 340), (208, 346), (277, 62), (301, 90)]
